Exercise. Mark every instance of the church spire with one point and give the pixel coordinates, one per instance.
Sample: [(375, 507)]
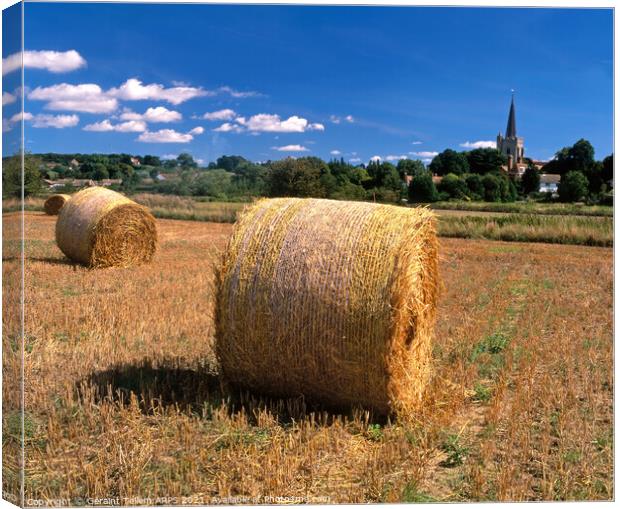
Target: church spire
[(511, 127)]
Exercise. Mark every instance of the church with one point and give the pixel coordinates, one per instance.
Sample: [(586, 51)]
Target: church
[(511, 145)]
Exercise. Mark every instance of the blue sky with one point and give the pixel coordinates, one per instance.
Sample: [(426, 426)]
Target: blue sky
[(273, 81)]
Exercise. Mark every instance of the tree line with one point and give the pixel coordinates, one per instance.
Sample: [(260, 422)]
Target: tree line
[(468, 175)]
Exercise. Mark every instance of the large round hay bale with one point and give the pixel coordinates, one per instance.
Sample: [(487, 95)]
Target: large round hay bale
[(102, 228), (332, 300), (54, 203)]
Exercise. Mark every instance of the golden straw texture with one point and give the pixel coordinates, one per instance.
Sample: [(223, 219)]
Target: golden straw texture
[(102, 228), (54, 203), (332, 300)]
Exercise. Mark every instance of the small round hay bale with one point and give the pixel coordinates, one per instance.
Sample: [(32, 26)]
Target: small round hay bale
[(332, 300), (102, 228), (54, 203)]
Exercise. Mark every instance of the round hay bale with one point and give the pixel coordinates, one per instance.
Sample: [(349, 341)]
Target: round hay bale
[(102, 228), (54, 203), (332, 300)]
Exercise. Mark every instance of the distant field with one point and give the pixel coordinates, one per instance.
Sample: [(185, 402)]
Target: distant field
[(123, 395), (586, 228), (527, 208)]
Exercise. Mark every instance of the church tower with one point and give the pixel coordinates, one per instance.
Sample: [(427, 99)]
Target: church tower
[(511, 145)]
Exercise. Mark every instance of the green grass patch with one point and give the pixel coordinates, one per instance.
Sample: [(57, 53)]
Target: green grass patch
[(587, 231)]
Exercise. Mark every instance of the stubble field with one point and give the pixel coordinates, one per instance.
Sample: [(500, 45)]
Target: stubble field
[(123, 402)]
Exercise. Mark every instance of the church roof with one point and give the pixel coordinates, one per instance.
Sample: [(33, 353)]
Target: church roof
[(511, 127)]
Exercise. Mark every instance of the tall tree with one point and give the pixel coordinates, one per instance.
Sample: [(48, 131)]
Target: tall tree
[(449, 161), (485, 160)]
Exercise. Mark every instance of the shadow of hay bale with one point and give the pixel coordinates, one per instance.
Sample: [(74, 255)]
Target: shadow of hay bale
[(200, 392)]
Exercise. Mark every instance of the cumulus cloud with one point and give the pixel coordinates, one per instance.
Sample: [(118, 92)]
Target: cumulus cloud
[(19, 115), (226, 114), (52, 61), (417, 142), (153, 115), (130, 126), (291, 148), (478, 144), (424, 153), (8, 98), (134, 90), (375, 158), (197, 130), (88, 98), (264, 122), (42, 121), (56, 121), (349, 118), (168, 157), (394, 158), (227, 127), (335, 152), (165, 136)]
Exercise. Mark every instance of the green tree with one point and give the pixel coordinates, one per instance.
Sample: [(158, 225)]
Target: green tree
[(409, 167), (475, 186), (530, 181), (579, 157), (608, 168), (573, 186), (297, 177), (422, 188), (12, 175), (449, 161), (492, 188), (186, 161), (485, 160), (454, 186), (151, 160)]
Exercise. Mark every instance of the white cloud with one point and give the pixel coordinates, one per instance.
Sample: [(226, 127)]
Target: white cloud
[(226, 114), (53, 61), (56, 121), (264, 122), (197, 130), (291, 148), (424, 153), (335, 152), (416, 143), (18, 117), (168, 157), (316, 127), (426, 160), (8, 98), (6, 125), (134, 90), (88, 98), (375, 158), (394, 158), (165, 136), (478, 144), (131, 126), (236, 94), (335, 119), (227, 127), (153, 115), (355, 160)]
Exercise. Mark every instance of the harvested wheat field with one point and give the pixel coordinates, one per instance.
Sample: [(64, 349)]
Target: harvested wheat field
[(123, 398)]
